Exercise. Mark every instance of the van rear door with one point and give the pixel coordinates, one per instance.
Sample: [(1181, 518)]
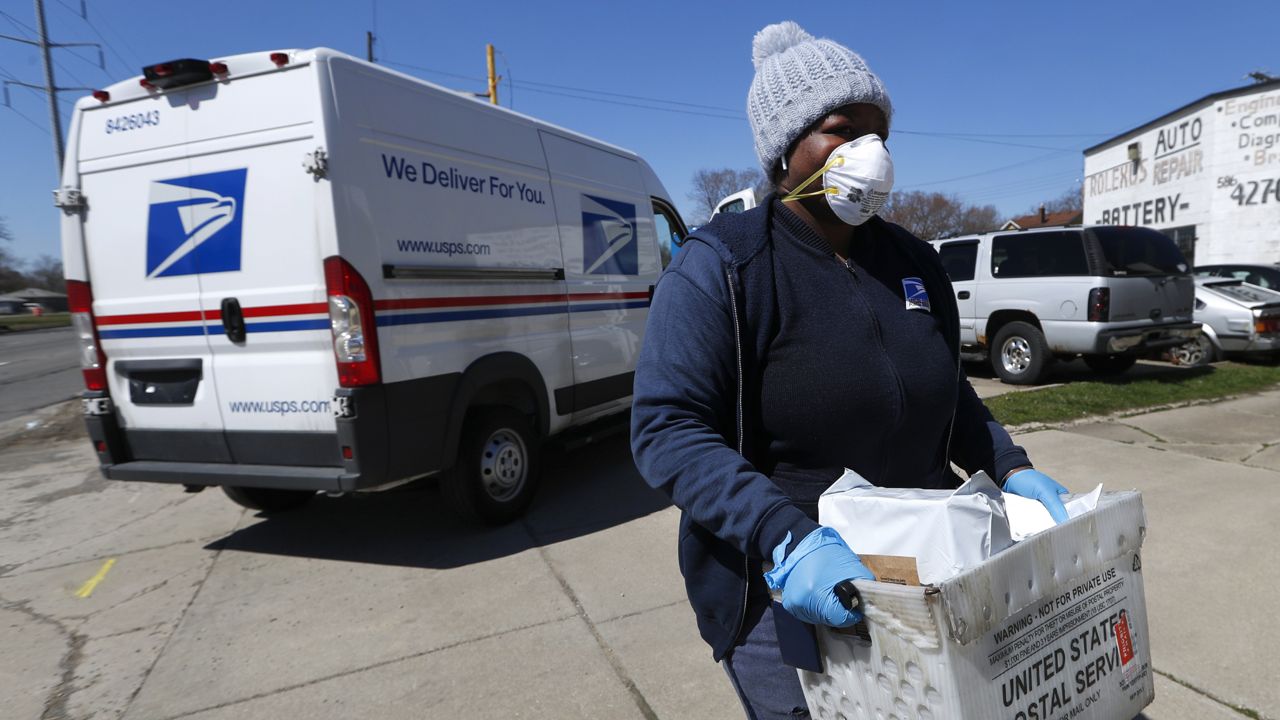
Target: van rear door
[(1151, 280), (149, 231), (268, 333)]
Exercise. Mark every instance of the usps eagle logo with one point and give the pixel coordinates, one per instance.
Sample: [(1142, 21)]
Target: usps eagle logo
[(194, 224), (609, 237), (916, 296)]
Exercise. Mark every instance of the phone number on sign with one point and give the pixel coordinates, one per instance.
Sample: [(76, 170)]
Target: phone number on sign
[(1252, 192), (137, 121)]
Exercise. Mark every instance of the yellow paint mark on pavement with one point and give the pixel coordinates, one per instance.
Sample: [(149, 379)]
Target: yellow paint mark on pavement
[(87, 589)]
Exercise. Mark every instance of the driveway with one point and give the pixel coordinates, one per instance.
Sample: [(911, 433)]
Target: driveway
[(142, 601)]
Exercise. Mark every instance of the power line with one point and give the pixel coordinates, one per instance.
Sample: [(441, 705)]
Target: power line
[(33, 123), (645, 102), (733, 111), (962, 138), (136, 62), (1018, 135), (20, 25), (1002, 168)]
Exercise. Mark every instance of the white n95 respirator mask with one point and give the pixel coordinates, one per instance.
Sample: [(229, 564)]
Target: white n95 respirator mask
[(856, 180)]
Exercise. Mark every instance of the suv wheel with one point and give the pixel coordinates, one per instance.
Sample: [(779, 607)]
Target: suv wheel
[(496, 473), (268, 500), (1195, 353), (1110, 364), (1019, 354)]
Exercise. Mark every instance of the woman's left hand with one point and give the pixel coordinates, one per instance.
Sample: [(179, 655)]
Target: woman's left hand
[(1031, 483)]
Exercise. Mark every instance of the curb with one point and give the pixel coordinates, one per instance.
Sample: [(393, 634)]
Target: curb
[(1121, 414)]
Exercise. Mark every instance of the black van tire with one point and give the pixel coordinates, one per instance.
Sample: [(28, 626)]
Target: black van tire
[(1110, 364), (268, 500), (1021, 347), (496, 474)]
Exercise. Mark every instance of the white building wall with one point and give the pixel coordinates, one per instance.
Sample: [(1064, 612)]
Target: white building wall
[(1215, 166)]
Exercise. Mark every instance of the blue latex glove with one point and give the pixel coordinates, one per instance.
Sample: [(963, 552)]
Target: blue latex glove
[(1032, 483), (808, 577)]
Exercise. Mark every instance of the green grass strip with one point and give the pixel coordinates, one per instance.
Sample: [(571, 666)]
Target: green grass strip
[(1112, 395), (34, 322)]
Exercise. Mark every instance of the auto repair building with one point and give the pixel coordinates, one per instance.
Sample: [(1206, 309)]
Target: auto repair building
[(1207, 174)]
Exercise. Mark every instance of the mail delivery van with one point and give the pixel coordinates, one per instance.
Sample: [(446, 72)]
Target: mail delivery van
[(296, 271)]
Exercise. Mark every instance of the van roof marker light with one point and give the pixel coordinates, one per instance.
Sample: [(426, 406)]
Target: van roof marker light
[(102, 96), (177, 73), (280, 59), (218, 68)]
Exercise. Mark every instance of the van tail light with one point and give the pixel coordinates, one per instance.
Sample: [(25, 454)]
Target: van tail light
[(1099, 304), (93, 363), (355, 331)]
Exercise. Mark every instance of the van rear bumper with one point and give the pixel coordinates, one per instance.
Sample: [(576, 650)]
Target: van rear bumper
[(1133, 340), (359, 456), (283, 477)]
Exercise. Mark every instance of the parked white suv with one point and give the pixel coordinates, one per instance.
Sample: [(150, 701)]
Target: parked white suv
[(1105, 293)]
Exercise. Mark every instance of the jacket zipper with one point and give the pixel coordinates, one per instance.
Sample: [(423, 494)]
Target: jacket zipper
[(875, 323), (737, 343)]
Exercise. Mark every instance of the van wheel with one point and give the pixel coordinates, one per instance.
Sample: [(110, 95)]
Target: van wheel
[(1019, 354), (497, 469), (268, 500), (1110, 364)]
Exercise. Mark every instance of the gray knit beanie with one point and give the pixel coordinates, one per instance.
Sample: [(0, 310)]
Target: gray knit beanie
[(799, 79)]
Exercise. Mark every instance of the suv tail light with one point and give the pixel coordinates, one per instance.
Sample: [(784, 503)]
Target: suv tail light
[(1099, 304), (355, 332), (93, 363)]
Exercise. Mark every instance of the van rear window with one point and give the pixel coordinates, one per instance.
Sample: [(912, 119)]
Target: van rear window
[(1038, 254), (1138, 251)]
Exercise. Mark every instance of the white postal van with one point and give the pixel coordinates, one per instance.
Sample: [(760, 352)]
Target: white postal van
[(296, 271)]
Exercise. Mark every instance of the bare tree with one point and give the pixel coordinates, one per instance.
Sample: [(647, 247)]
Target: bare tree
[(931, 216), (46, 273), (11, 277), (711, 186), (1071, 199)]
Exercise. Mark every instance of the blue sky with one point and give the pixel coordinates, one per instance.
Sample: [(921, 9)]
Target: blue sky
[(994, 100)]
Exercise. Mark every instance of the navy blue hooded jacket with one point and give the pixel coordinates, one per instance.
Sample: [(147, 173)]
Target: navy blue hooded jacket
[(767, 368)]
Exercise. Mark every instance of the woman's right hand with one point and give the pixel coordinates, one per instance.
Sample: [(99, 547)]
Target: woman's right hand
[(807, 577)]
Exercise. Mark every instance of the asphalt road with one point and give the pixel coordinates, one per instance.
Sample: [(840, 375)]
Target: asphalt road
[(37, 368), (138, 601)]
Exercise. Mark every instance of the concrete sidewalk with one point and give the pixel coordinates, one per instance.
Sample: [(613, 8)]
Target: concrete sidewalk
[(384, 606)]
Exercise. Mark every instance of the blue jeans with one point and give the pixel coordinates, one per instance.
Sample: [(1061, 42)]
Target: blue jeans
[(768, 688)]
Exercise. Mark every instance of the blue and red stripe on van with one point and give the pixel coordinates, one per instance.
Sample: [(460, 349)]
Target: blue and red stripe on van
[(389, 312)]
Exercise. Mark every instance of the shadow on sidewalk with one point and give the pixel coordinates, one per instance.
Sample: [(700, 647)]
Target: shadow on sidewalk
[(582, 491)]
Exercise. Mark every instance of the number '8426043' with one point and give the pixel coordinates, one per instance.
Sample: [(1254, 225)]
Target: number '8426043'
[(136, 121), (1256, 192)]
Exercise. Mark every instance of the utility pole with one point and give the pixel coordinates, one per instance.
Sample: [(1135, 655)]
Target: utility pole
[(49, 88), (368, 43), (493, 77), (55, 120)]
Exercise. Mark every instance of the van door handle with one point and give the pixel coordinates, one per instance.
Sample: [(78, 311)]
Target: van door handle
[(233, 320), (963, 294)]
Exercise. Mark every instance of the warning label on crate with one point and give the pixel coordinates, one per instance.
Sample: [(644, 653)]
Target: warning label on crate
[(1068, 652)]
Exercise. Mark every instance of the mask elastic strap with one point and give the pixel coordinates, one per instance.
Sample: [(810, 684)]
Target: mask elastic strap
[(796, 194)]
